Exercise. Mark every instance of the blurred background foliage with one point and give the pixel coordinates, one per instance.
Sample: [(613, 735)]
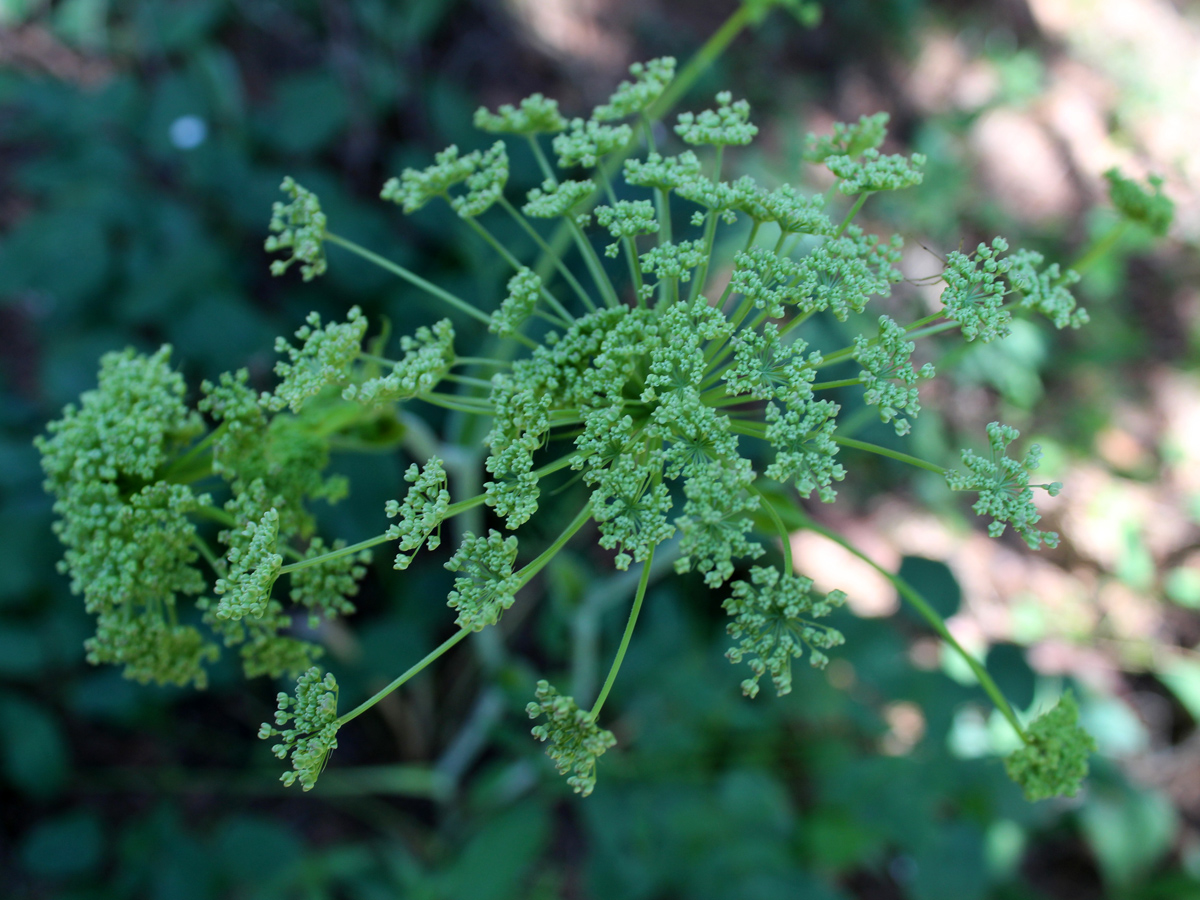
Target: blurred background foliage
[(141, 145)]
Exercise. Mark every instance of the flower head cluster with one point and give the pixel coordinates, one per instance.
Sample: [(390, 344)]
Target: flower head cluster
[(766, 280), (1152, 208), (428, 356), (312, 714), (324, 358), (422, 512), (535, 115), (716, 521), (1046, 290), (765, 368), (626, 219), (554, 199), (727, 125), (975, 291), (650, 79), (885, 361), (587, 141), (284, 455), (130, 546), (299, 226), (253, 567), (1054, 758), (485, 185), (668, 410), (486, 585), (772, 623), (414, 187), (843, 273), (674, 261), (1005, 493), (576, 741), (666, 173), (524, 289), (847, 140), (793, 212), (875, 172), (802, 435)]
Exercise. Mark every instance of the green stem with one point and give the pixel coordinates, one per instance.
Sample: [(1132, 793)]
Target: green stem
[(701, 60), (1099, 247), (206, 552), (784, 537), (336, 554), (930, 615), (629, 626), (830, 385), (536, 565), (592, 261), (858, 204), (438, 651), (454, 401), (890, 454), (216, 515), (710, 233), (515, 263), (467, 379), (540, 156), (412, 278), (549, 253), (185, 464)]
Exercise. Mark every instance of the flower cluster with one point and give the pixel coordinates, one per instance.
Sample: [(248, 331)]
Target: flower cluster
[(1151, 208), (299, 226), (486, 585), (422, 512), (1003, 485), (323, 358), (1053, 761), (672, 401), (772, 624), (975, 291), (312, 713), (576, 741), (885, 361), (428, 356)]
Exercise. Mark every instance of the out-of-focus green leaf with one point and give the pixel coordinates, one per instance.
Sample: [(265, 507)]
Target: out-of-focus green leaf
[(64, 846), (32, 747)]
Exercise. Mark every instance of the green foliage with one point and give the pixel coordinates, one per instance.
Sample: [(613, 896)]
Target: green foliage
[(1054, 759)]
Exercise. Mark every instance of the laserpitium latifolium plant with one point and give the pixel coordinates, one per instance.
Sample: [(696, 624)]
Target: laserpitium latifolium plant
[(688, 405)]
